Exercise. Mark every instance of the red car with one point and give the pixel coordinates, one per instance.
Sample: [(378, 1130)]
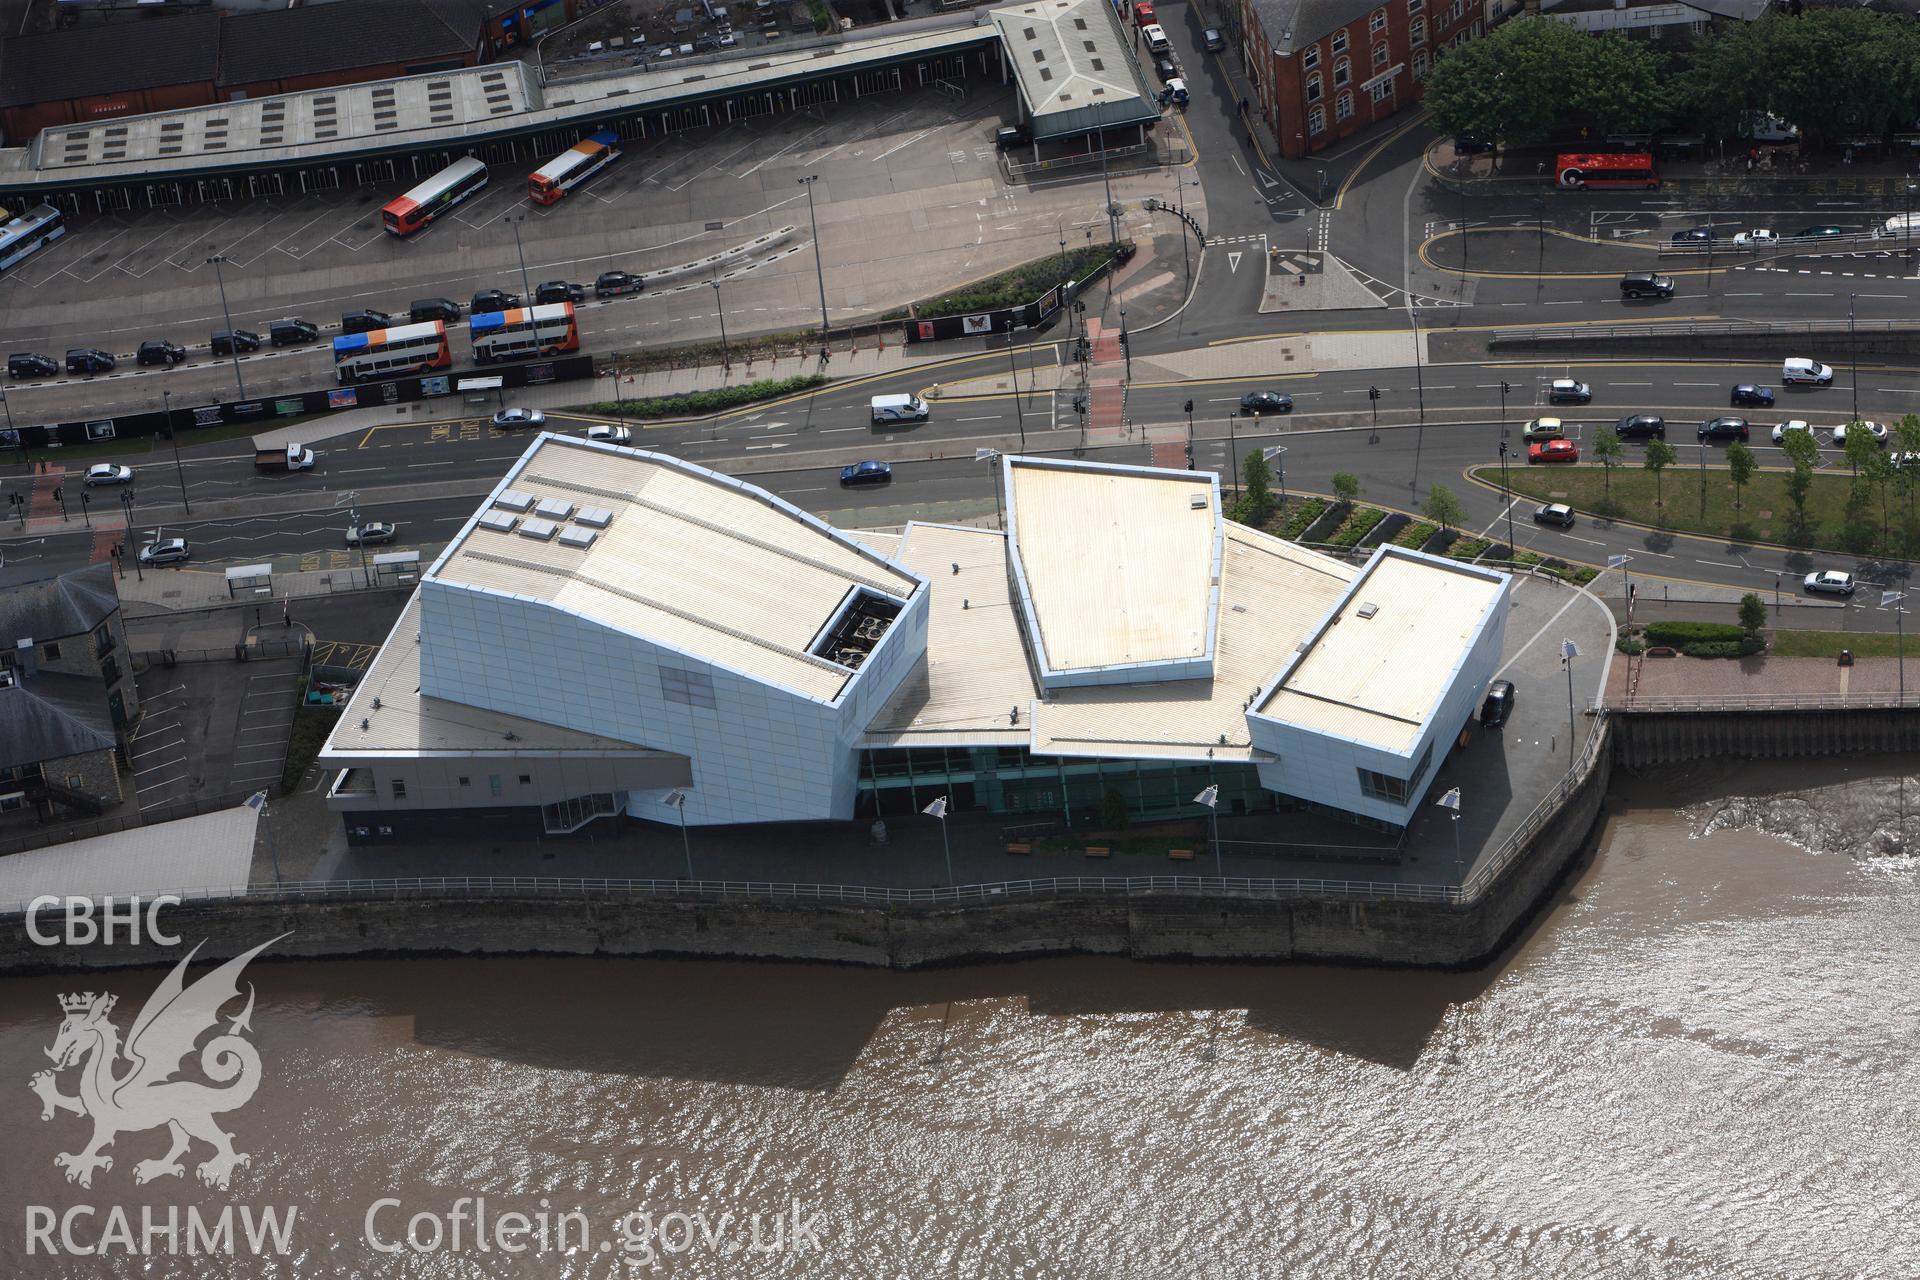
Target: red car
[(1553, 451), (1143, 14)]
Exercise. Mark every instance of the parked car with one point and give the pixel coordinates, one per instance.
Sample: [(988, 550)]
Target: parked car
[(1213, 40), (1558, 514), (865, 473), (1645, 284), (610, 435), (1724, 428), (364, 321), (1791, 424), (109, 473), (1749, 396), (31, 364), (1695, 235), (1156, 38), (165, 551), (1878, 430), (1568, 391), (494, 300), (559, 291), (1176, 92), (1498, 704), (612, 284), (1796, 371), (158, 351), (1808, 233), (508, 419), (1165, 69), (1553, 451), (1758, 238), (369, 533), (1641, 426), (228, 341), (1009, 136), (89, 360), (1143, 14), (1830, 582), (290, 333), (1266, 402), (423, 310), (1542, 429)]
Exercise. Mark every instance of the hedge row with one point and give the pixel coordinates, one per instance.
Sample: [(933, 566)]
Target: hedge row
[(1021, 285), (1468, 549), (1579, 575), (1303, 515), (1358, 526), (1415, 535), (1679, 634), (698, 402), (1744, 647)]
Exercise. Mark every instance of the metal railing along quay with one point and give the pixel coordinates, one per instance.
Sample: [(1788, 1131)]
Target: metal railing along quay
[(1765, 701)]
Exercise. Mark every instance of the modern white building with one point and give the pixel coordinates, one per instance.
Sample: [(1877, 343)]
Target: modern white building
[(615, 629)]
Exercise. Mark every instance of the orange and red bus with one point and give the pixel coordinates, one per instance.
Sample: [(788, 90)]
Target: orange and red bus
[(392, 353), (572, 167), (1609, 169), (434, 197), (522, 332)]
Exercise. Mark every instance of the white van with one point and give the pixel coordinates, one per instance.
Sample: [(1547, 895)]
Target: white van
[(1900, 225), (1809, 373), (1156, 37), (898, 409)]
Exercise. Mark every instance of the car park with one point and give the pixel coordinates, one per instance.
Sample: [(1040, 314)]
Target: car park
[(1558, 514), (1813, 233), (1780, 430), (1750, 396), (1258, 402), (866, 473), (165, 551), (1830, 582), (1213, 40), (1796, 371), (558, 291), (1758, 238), (158, 351), (493, 300), (610, 435), (228, 341), (1645, 284), (1543, 429), (31, 364), (1695, 235), (1724, 428), (89, 360), (1568, 391), (612, 284), (1498, 704), (1553, 451), (290, 333), (1156, 38), (109, 473), (364, 321), (509, 419), (1641, 426), (1878, 430), (367, 534)]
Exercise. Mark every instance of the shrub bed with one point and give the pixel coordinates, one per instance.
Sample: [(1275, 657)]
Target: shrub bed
[(1742, 648), (1014, 287), (1358, 526), (698, 402), (1415, 535), (1468, 549), (1630, 645), (1681, 634), (1303, 516)]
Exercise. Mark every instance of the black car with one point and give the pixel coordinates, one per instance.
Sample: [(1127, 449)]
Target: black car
[(1724, 428), (1498, 705), (1641, 426), (364, 321), (1165, 69), (558, 291), (158, 351), (1818, 232), (287, 333), (865, 473), (1265, 402), (1466, 146), (31, 364), (1213, 40), (1006, 137), (1696, 235), (227, 341), (424, 310), (493, 300), (1645, 284), (612, 284), (89, 360), (1749, 396)]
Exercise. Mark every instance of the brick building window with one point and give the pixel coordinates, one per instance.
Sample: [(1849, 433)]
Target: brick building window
[(1381, 92), (1342, 73), (1339, 42), (1313, 88), (1343, 107), (1378, 22), (1317, 120), (1418, 32), (1311, 58), (1381, 54), (1415, 6), (52, 652), (1420, 64)]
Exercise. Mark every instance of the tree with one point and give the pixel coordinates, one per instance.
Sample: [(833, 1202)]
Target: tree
[(1859, 446), (1906, 474), (1606, 447), (1531, 76), (1740, 468), (1255, 506), (1346, 486), (1443, 508), (1660, 456), (1753, 613), (1804, 453)]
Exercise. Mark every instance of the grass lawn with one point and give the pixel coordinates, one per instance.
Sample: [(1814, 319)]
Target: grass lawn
[(1828, 644), (1764, 515)]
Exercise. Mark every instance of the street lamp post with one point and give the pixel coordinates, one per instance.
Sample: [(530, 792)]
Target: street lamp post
[(1907, 222), (526, 281), (1233, 448), (938, 809), (819, 269), (1451, 801), (1373, 402), (1275, 455), (1853, 355), (1113, 225), (1540, 219), (991, 456), (1019, 414), (726, 357), (233, 345), (1568, 652), (1126, 348), (1892, 599), (126, 503), (166, 396), (1626, 581), (1505, 388), (1210, 797), (1512, 547), (677, 799)]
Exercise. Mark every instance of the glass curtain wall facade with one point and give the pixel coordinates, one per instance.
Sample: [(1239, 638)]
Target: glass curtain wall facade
[(897, 782)]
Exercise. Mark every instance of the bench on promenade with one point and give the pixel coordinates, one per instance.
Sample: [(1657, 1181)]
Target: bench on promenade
[(1098, 851), (1180, 855), (1019, 846)]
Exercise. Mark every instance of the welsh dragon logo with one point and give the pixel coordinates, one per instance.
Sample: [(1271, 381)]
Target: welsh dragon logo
[(145, 1094)]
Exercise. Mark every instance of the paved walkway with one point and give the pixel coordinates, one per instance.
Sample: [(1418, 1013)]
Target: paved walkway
[(1759, 677)]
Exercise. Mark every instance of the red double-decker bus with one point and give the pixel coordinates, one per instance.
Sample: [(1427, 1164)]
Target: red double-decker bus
[(1609, 169)]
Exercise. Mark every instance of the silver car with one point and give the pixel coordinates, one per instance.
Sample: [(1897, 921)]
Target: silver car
[(369, 533), (510, 419), (610, 435), (109, 473), (165, 551), (1830, 582)]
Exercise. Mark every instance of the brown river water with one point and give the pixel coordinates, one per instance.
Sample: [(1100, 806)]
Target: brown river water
[(1701, 1062)]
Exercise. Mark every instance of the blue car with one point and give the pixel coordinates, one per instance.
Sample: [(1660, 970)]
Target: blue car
[(1749, 396), (866, 473)]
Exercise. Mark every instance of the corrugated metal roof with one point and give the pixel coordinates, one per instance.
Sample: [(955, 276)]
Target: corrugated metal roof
[(1075, 68), (1117, 561), (692, 560), (212, 851), (976, 673), (1375, 679)]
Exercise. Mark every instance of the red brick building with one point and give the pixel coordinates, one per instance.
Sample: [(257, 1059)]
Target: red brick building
[(1325, 69)]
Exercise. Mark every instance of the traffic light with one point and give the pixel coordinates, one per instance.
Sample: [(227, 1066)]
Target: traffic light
[(1506, 388), (1373, 393), (1189, 406)]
